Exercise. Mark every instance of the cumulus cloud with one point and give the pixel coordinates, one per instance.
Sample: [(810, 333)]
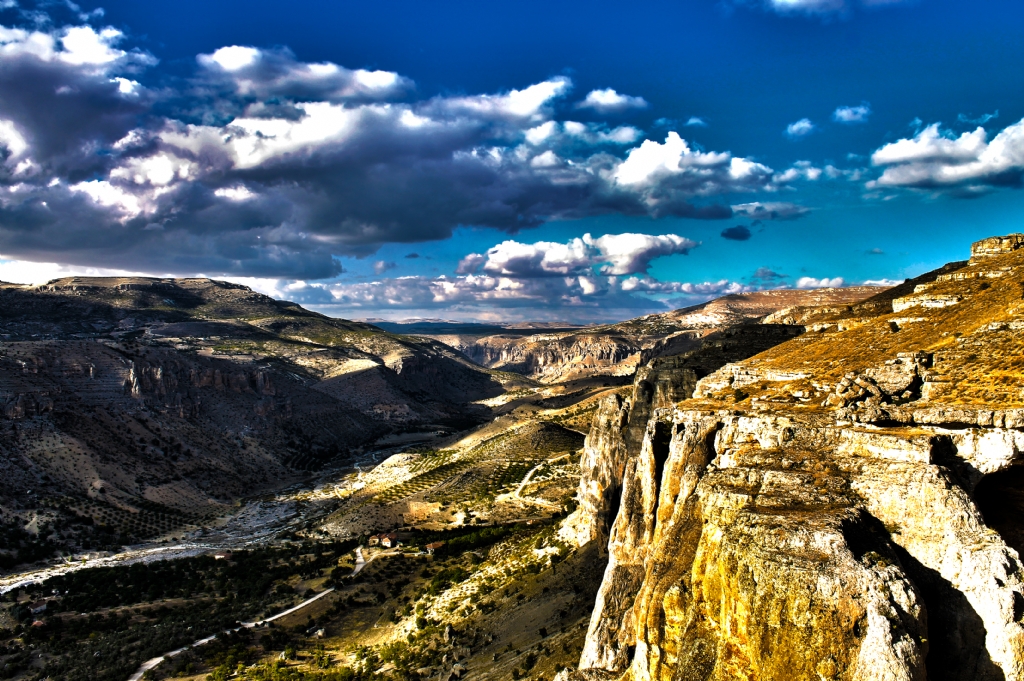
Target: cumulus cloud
[(852, 114), (696, 122), (801, 128), (610, 101), (258, 164), (939, 159), (667, 175), (611, 254), (824, 282), (382, 266), (770, 210), (264, 74), (801, 170), (736, 233)]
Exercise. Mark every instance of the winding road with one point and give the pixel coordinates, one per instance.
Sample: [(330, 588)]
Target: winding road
[(149, 664)]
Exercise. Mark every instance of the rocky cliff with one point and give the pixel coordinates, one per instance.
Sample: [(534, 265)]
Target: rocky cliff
[(844, 505)]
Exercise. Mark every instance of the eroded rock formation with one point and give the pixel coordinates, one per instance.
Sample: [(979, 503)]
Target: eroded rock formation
[(822, 510)]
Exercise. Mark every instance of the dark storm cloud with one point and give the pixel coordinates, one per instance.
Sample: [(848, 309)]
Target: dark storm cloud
[(737, 233), (276, 166)]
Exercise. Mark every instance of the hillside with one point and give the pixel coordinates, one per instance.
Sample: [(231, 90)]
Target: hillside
[(149, 404)]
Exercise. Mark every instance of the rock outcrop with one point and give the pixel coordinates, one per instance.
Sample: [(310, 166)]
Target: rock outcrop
[(802, 516)]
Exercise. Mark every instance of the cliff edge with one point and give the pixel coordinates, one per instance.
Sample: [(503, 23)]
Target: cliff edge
[(847, 503)]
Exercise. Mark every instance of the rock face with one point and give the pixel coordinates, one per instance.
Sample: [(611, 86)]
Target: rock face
[(865, 527)]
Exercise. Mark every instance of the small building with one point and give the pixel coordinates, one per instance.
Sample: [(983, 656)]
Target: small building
[(433, 546), (389, 540), (374, 540), (222, 555), (37, 607)]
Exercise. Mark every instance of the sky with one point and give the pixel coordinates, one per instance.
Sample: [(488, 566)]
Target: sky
[(559, 161)]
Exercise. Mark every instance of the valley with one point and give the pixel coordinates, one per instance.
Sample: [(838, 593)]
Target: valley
[(799, 484)]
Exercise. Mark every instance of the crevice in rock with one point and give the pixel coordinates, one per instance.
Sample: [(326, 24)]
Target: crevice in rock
[(1000, 498), (956, 632), (661, 439)]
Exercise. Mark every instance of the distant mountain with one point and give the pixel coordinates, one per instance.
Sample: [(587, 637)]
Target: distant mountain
[(556, 354)]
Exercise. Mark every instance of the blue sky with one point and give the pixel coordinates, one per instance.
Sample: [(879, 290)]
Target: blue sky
[(576, 161)]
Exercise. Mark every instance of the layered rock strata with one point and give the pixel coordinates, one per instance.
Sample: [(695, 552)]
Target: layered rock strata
[(865, 527)]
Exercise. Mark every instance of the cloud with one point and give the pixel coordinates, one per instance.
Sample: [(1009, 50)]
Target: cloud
[(382, 266), (801, 170), (980, 120), (412, 256), (768, 277), (874, 251), (695, 122), (801, 128), (824, 282), (257, 164), (938, 159), (610, 101), (611, 254), (263, 74), (823, 8), (888, 283), (667, 175), (852, 114), (770, 210), (807, 6), (737, 233)]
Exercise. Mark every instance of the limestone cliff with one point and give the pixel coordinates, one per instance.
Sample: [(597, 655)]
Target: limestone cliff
[(844, 505)]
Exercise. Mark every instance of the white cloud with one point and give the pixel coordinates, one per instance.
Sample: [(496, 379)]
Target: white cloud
[(109, 195), (531, 103), (801, 170), (258, 73), (238, 192), (632, 253), (612, 254), (12, 139), (593, 133), (382, 266), (696, 122), (770, 210), (801, 128), (673, 165), (938, 159), (824, 282), (34, 273), (231, 58), (610, 101), (852, 114)]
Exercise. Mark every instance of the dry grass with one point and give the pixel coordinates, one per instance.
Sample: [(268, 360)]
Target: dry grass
[(974, 342)]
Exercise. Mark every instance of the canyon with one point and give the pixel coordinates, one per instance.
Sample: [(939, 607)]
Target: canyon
[(784, 484)]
